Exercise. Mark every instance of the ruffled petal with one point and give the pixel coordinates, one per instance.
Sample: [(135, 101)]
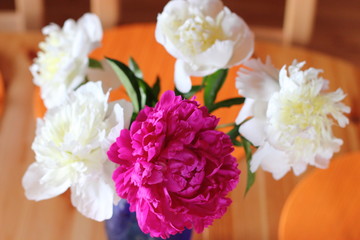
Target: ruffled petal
[(93, 198), (299, 167), (92, 25), (178, 8), (214, 58), (80, 48), (244, 47), (209, 7), (119, 118), (93, 90), (174, 9), (37, 189), (271, 160), (257, 80), (168, 44)]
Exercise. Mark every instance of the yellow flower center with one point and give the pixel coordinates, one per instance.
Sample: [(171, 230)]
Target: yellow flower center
[(50, 57), (197, 34), (303, 113), (303, 119)]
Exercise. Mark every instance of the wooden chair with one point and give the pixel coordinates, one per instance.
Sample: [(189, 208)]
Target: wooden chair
[(325, 204), (29, 14), (109, 11), (298, 24), (297, 27)]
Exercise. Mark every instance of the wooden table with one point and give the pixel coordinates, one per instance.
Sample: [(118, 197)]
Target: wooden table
[(255, 216)]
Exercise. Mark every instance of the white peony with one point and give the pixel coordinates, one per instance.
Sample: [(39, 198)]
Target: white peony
[(204, 36), (292, 117), (62, 62), (70, 148)]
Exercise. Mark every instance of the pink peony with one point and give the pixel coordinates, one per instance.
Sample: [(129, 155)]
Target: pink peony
[(175, 169)]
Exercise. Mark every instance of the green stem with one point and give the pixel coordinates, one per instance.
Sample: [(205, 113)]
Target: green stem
[(225, 125)]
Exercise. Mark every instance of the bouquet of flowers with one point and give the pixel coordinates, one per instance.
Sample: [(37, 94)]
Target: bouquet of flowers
[(166, 155)]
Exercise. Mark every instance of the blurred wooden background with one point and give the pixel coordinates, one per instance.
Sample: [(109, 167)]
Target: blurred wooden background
[(337, 26)]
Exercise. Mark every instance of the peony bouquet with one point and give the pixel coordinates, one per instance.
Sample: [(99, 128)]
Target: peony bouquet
[(165, 155)]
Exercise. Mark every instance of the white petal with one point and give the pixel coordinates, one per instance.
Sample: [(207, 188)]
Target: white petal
[(92, 25), (178, 8), (232, 24), (69, 26), (244, 48), (271, 160), (79, 66), (254, 131), (52, 27), (208, 7), (128, 110), (257, 80), (214, 58), (93, 90), (168, 44), (81, 46), (299, 167), (323, 156), (322, 162), (93, 198), (252, 108), (119, 119), (246, 110), (50, 99), (182, 78), (36, 189), (174, 9)]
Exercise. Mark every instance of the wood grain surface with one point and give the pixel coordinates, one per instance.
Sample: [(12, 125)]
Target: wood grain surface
[(255, 216)]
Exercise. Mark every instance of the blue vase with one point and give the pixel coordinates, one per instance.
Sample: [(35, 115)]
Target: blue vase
[(123, 226)]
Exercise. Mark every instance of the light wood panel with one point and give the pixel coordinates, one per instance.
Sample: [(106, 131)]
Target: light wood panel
[(255, 216), (109, 11), (26, 15), (299, 21)]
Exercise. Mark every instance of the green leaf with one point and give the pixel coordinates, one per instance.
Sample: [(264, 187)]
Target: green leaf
[(226, 103), (93, 63), (129, 80), (142, 89), (213, 84), (135, 68), (236, 143), (147, 95), (233, 134), (248, 154), (192, 92), (156, 88)]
